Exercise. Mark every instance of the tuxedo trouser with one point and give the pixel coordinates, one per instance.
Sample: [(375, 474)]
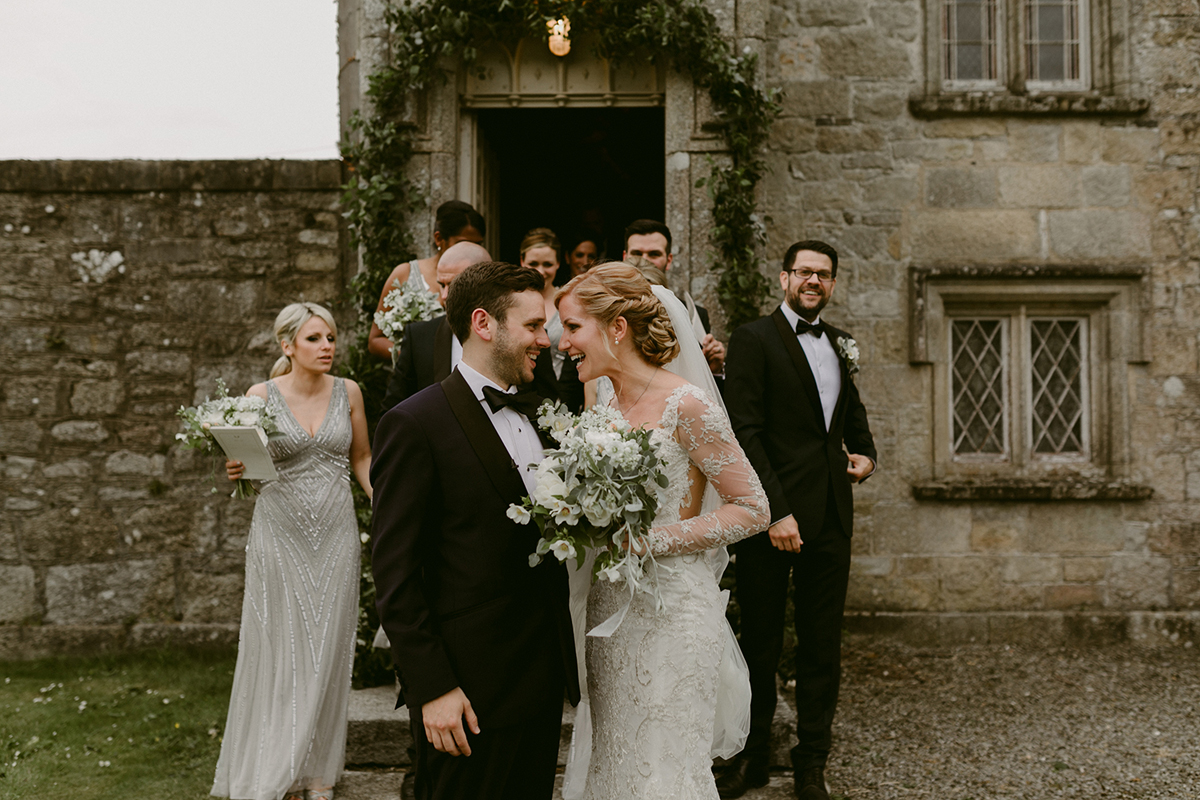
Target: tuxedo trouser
[(513, 762), (820, 573)]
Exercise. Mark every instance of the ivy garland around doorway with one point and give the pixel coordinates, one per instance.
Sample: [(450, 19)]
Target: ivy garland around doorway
[(381, 199)]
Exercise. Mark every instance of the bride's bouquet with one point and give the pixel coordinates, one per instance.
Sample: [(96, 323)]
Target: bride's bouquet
[(598, 491), (401, 306), (225, 411)]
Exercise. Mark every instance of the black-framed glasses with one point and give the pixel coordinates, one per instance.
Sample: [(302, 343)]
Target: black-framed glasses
[(804, 274)]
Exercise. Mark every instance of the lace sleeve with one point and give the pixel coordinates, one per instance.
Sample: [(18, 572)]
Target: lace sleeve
[(703, 429)]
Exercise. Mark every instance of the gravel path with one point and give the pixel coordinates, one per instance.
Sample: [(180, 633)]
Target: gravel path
[(997, 722)]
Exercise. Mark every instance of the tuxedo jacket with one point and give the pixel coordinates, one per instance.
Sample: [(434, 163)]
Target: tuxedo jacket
[(776, 413), (424, 359), (454, 589)]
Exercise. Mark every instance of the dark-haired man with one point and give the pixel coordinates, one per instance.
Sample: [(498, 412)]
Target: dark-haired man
[(793, 404), (482, 642), (651, 240)]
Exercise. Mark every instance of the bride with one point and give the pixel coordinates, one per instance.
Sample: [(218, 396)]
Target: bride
[(656, 685)]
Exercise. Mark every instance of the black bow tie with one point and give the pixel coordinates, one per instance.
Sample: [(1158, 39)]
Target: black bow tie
[(524, 401), (806, 327)]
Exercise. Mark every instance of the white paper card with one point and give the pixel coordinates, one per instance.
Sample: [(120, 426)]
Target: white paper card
[(249, 446)]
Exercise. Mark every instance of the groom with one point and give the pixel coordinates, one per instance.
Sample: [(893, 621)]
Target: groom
[(482, 641), (793, 404)]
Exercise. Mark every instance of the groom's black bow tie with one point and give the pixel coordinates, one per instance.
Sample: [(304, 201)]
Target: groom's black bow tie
[(807, 327), (524, 401)]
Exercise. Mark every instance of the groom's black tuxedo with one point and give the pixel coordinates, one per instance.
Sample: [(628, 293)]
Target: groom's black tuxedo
[(777, 415), (455, 591), (424, 359)]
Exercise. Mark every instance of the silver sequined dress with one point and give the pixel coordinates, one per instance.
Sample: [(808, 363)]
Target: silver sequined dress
[(287, 714)]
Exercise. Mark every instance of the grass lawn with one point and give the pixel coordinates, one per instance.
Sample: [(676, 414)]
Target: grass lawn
[(145, 725)]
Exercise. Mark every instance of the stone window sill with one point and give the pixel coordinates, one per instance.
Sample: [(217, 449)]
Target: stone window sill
[(976, 104), (1031, 490)]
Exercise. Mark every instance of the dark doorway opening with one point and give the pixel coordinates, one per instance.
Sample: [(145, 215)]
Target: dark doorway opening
[(582, 172)]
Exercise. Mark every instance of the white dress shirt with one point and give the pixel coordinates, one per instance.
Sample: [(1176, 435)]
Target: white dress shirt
[(518, 433), (456, 353), (823, 361)]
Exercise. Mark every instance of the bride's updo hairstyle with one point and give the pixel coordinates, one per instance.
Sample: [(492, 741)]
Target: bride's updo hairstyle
[(288, 325), (617, 289)]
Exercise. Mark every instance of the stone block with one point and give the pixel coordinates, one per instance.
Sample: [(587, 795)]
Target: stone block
[(1084, 570), (1082, 142), (1185, 588), (968, 583), (1164, 188), (973, 236), (891, 192), (965, 128), (18, 594), (316, 261), (1106, 185), (1049, 186), (28, 642), (999, 529), (1139, 582), (848, 139), (1130, 145), (960, 187), (213, 598), (863, 54), (1076, 528), (123, 462), (793, 135), (1033, 569), (831, 13), (100, 594), (214, 302), (20, 436), (1099, 234), (870, 593), (157, 363), (73, 468), (874, 566), (1073, 596), (64, 534), (79, 432), (97, 398), (829, 194), (1033, 141), (17, 468), (879, 102), (1181, 135), (794, 58), (927, 528), (816, 99)]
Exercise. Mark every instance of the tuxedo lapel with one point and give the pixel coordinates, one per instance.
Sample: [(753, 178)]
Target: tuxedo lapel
[(486, 443), (441, 352), (800, 361), (834, 334)]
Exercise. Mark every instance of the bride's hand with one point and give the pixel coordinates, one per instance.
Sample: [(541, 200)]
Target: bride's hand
[(234, 470)]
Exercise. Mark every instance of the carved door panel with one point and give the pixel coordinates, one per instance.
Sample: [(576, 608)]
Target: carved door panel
[(479, 178)]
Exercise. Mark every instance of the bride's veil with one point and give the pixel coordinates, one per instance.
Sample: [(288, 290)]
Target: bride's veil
[(732, 723)]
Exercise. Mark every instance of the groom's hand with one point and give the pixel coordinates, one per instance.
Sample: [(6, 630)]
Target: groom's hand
[(443, 720), (785, 535)]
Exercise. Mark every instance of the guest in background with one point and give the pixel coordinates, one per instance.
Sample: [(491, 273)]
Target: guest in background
[(456, 222), (557, 377), (285, 735), (582, 257)]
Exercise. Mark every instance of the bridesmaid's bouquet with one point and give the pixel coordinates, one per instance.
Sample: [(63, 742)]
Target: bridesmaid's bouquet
[(401, 306), (598, 491), (225, 411)]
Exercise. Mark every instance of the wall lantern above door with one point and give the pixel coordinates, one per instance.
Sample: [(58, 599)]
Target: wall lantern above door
[(560, 32)]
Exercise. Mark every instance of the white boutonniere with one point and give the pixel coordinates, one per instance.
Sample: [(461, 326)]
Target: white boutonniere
[(848, 349)]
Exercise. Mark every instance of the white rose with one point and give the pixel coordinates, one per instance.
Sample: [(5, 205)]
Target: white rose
[(549, 484), (246, 419)]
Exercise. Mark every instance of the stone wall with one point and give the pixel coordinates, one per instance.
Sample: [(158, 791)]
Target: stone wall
[(126, 289), (852, 164)]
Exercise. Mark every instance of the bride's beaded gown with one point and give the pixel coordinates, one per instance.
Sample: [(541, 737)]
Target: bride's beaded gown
[(653, 684), (291, 686)]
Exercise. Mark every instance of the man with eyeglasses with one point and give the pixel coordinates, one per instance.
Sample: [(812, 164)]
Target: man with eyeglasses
[(793, 404)]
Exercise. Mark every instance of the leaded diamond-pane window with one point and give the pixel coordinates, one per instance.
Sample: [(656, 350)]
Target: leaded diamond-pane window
[(978, 386), (970, 40), (1052, 41), (1057, 386)]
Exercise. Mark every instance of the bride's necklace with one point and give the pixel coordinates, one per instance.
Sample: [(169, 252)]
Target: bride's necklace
[(625, 411)]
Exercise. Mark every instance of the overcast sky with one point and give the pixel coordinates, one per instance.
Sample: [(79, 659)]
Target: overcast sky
[(166, 79)]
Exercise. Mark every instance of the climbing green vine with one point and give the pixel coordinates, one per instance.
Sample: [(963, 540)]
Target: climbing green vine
[(380, 198)]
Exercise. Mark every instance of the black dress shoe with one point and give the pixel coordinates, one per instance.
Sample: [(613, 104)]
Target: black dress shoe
[(810, 784), (740, 776)]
